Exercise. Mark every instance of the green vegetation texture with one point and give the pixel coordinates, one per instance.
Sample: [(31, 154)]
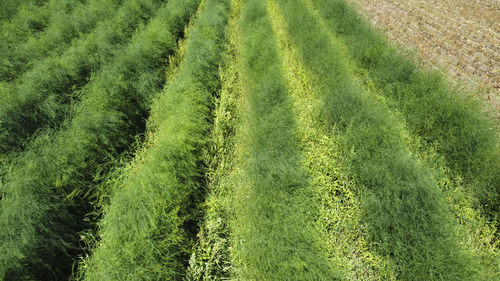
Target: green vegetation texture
[(235, 140)]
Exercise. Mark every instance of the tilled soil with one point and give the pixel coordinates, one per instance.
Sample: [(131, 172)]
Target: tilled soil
[(461, 37)]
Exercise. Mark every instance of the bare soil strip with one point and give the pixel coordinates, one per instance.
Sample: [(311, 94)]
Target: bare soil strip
[(461, 36)]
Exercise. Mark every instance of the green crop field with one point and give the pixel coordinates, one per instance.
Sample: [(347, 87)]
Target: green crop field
[(235, 140)]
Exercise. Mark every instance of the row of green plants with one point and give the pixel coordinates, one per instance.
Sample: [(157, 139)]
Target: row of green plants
[(21, 15), (211, 259), (403, 210), (53, 185), (31, 19), (19, 21), (338, 217), (311, 155), (8, 9), (44, 96), (454, 124), (149, 228), (64, 26), (272, 232)]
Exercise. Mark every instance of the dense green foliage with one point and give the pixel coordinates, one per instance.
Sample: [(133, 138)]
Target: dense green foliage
[(339, 216), (48, 188), (30, 18), (272, 234), (69, 19), (279, 140), (211, 259), (149, 227), (12, 8), (455, 125), (42, 97), (8, 9), (15, 13), (403, 208)]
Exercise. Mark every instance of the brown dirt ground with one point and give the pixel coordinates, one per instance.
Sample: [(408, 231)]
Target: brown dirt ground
[(458, 37)]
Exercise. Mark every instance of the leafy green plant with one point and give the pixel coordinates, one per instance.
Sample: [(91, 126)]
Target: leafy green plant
[(49, 189), (272, 235), (211, 259), (14, 12), (339, 216), (280, 140), (153, 239), (455, 124), (68, 20), (42, 97), (29, 20), (403, 209)]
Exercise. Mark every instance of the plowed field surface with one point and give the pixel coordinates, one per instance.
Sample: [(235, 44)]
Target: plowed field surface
[(461, 36)]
